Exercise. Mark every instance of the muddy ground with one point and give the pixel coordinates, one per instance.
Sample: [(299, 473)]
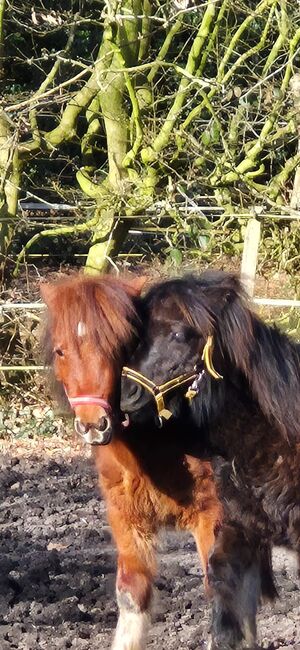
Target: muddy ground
[(57, 564)]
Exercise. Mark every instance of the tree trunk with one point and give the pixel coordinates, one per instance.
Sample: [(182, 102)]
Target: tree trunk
[(9, 186), (120, 51), (108, 237)]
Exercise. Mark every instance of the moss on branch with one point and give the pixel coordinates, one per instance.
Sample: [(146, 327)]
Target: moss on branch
[(277, 183), (10, 171), (2, 12), (223, 77)]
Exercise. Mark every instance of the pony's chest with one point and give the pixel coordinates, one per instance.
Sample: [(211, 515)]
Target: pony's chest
[(169, 492)]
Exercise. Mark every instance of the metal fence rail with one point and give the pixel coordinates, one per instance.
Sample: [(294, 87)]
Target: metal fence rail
[(39, 306)]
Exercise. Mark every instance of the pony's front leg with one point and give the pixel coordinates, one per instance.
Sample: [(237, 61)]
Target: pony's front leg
[(134, 591), (135, 575)]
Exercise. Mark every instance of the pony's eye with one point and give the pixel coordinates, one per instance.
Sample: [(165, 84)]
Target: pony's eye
[(183, 335), (179, 336), (59, 352)]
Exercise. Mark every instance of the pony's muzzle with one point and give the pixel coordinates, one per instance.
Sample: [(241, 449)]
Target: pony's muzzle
[(94, 434), (130, 395)]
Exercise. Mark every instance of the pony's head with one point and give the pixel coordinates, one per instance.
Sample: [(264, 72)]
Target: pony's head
[(181, 348), (91, 322), (204, 326)]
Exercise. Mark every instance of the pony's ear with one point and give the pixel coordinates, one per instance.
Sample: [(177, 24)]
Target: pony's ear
[(227, 291), (137, 283), (48, 291), (224, 303)]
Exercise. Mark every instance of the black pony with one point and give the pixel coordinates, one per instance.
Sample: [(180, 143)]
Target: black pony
[(244, 397)]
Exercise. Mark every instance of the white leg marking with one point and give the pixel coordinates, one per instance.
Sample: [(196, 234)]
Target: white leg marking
[(132, 627)]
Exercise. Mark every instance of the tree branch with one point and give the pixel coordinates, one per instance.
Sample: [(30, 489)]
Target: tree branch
[(150, 154)]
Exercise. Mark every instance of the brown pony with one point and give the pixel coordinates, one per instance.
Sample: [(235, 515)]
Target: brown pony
[(149, 480)]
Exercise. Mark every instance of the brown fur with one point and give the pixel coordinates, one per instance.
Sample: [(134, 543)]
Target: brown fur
[(137, 508)]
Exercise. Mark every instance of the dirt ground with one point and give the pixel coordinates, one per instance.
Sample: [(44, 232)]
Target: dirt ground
[(57, 563)]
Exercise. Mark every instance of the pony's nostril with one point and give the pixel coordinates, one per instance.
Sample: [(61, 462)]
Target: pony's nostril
[(94, 433), (134, 392), (104, 423), (80, 428)]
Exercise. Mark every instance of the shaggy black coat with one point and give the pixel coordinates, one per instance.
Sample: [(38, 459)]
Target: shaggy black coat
[(249, 421)]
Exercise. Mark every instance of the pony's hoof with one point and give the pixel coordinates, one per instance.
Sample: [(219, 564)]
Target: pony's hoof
[(214, 644)]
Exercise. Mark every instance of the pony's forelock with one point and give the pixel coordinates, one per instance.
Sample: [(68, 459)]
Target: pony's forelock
[(104, 304), (202, 301)]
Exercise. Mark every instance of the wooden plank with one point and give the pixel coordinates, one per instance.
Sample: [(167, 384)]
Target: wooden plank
[(21, 368), (272, 302), (250, 255), (12, 306), (277, 302)]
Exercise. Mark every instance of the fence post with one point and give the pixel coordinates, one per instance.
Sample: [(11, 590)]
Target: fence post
[(250, 255), (295, 89)]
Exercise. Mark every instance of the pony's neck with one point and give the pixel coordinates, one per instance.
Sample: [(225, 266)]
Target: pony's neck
[(215, 395), (228, 415)]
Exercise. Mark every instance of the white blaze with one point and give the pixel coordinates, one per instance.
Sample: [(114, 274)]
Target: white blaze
[(81, 328)]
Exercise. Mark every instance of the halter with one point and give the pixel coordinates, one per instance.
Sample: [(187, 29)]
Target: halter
[(159, 390), (82, 400)]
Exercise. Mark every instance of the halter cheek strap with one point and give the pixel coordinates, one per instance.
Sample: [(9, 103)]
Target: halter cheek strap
[(207, 358)]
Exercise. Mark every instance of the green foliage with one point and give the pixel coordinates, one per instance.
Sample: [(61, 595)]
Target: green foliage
[(21, 421), (175, 256)]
